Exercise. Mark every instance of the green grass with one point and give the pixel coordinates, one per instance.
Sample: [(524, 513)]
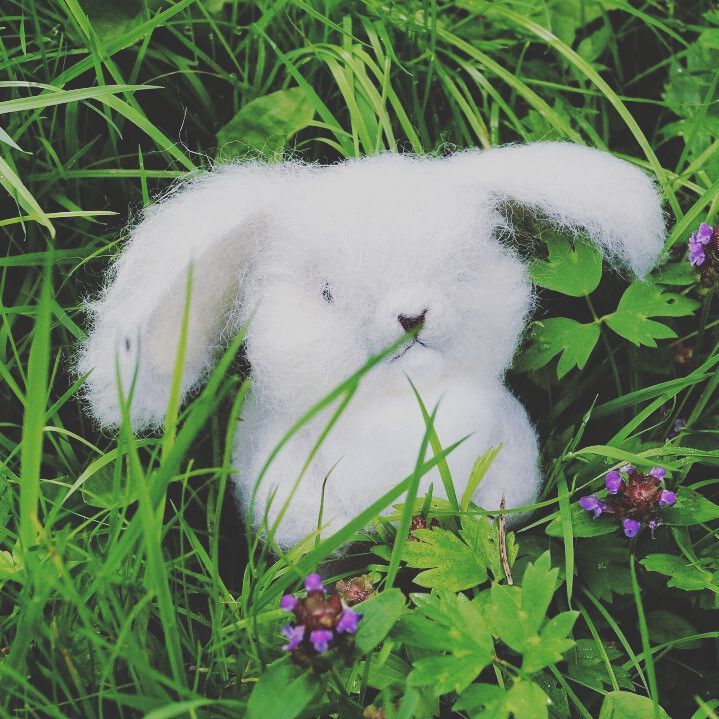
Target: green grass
[(128, 585)]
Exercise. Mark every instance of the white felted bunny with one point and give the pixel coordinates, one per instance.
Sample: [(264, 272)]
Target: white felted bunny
[(333, 264)]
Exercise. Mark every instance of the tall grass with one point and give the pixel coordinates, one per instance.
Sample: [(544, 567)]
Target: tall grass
[(128, 586)]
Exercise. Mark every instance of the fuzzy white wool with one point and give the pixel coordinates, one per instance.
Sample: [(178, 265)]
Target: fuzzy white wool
[(380, 237)]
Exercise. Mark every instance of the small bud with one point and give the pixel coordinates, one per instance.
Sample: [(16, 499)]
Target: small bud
[(631, 527), (355, 590)]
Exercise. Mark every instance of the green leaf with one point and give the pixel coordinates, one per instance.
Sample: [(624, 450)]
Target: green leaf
[(583, 523), (665, 626), (267, 123), (489, 697), (558, 334), (604, 566), (516, 615), (640, 301), (111, 19), (537, 589), (585, 664), (379, 615), (676, 273), (526, 700), (464, 631), (552, 643), (455, 563), (10, 565), (283, 690), (682, 574), (572, 269), (621, 705), (690, 508), (389, 673)]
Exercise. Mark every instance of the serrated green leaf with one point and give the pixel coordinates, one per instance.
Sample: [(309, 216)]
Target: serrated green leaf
[(572, 269), (640, 301), (538, 587), (516, 615), (451, 562), (467, 636), (551, 644), (681, 573), (478, 697), (446, 673), (558, 334), (526, 700), (267, 123)]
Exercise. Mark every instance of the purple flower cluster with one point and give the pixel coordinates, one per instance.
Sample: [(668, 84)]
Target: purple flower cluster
[(635, 498), (321, 622)]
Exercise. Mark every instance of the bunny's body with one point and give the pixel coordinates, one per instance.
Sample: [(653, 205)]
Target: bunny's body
[(375, 444), (331, 265)]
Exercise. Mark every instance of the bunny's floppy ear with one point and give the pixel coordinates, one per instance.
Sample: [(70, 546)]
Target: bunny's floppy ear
[(208, 227), (579, 189)]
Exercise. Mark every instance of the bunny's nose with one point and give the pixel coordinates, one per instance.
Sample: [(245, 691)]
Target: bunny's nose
[(413, 322)]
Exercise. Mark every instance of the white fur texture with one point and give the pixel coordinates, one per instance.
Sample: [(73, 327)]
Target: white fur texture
[(387, 235)]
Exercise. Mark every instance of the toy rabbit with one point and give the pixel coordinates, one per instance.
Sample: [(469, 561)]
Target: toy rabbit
[(332, 264)]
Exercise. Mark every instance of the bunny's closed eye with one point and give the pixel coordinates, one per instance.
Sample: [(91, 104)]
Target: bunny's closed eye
[(421, 253)]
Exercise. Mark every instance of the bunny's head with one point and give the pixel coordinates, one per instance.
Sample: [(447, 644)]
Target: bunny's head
[(332, 264)]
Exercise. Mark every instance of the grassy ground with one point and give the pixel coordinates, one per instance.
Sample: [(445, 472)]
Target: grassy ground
[(127, 585)]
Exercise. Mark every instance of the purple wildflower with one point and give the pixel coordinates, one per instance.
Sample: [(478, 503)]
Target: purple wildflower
[(313, 583), (658, 473), (635, 498), (592, 504), (679, 426), (294, 635), (348, 622), (288, 602), (631, 527), (613, 482), (321, 639), (697, 243)]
